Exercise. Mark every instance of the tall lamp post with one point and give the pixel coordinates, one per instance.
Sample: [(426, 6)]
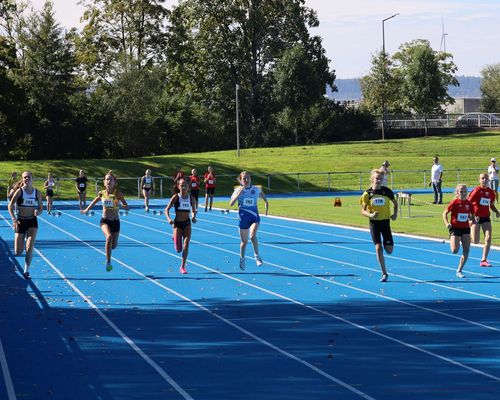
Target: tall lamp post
[(384, 110), (237, 122)]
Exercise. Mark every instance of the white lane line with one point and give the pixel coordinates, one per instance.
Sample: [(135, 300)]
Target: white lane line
[(11, 394), (354, 324), (122, 334), (203, 308)]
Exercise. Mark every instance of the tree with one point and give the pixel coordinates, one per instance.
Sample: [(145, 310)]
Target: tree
[(426, 75), (490, 88), (382, 86)]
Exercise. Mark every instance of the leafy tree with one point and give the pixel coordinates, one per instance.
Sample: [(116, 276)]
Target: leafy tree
[(121, 35), (382, 86), (490, 88), (426, 75)]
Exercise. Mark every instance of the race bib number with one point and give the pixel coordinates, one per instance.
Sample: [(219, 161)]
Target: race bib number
[(108, 203), (193, 184), (81, 185), (484, 201), (249, 202), (462, 217), (184, 205), (210, 181), (29, 202), (378, 201)]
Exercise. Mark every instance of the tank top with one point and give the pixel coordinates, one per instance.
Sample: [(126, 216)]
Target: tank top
[(183, 204), (27, 199), (109, 201)]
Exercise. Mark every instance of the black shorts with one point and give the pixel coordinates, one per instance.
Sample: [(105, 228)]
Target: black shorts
[(210, 191), (147, 189), (381, 230), (182, 224), (114, 224), (50, 193), (25, 224), (482, 220), (458, 231), (82, 191), (195, 193)]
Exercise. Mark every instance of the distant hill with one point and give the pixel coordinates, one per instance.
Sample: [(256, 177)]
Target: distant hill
[(348, 89)]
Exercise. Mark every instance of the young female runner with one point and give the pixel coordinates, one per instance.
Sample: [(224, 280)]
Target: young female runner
[(110, 198), (49, 186), (184, 204), (148, 188)]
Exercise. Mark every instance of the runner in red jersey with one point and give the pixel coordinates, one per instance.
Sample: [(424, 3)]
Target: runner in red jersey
[(462, 213), (210, 181), (483, 198), (194, 183)]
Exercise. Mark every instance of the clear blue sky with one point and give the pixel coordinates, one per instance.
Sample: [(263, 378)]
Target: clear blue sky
[(352, 29)]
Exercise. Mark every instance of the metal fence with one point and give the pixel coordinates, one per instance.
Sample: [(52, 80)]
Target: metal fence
[(276, 183), (477, 119)]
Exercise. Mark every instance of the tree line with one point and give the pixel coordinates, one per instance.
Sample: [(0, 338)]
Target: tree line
[(142, 79)]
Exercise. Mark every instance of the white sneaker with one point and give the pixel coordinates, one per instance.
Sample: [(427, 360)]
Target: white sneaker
[(258, 260), (242, 264), (460, 275), (384, 278)]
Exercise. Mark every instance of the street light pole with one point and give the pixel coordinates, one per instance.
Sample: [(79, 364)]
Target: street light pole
[(384, 110), (237, 122)]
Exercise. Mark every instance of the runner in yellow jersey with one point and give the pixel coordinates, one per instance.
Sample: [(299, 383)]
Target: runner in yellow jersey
[(376, 205)]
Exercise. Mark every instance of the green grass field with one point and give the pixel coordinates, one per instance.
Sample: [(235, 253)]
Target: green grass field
[(348, 162)]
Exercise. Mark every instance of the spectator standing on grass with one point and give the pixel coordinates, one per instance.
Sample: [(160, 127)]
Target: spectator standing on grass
[(483, 198), (210, 184), (462, 214), (436, 180), (386, 172), (493, 176), (375, 204)]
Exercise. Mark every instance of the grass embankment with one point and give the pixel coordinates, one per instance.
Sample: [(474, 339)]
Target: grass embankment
[(413, 156)]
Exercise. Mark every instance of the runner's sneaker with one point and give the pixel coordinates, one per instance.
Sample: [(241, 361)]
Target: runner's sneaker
[(484, 263), (258, 260), (183, 270), (242, 264), (384, 278), (109, 267), (460, 275), (26, 275)]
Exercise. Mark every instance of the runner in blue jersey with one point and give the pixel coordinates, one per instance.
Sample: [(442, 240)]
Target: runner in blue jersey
[(247, 197)]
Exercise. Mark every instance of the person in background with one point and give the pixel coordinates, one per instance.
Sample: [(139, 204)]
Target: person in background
[(437, 180), (462, 214), (148, 187), (110, 199), (482, 198), (81, 189), (11, 185), (49, 186), (375, 204), (183, 204), (247, 197), (194, 183), (29, 203), (178, 174), (384, 169), (493, 176), (210, 183)]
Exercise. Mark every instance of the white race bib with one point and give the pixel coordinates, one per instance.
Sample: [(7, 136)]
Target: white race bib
[(378, 201), (108, 203), (81, 185), (210, 181), (184, 205), (193, 184), (29, 202), (248, 202), (462, 217), (484, 201)]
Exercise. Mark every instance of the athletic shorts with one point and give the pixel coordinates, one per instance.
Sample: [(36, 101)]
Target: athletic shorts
[(458, 231), (146, 189), (381, 232), (247, 220), (82, 191), (195, 193), (182, 224), (25, 224), (482, 220), (210, 191), (50, 193), (114, 224)]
